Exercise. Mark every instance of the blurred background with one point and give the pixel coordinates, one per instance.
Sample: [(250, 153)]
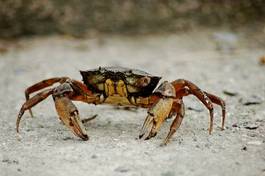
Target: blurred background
[(79, 18)]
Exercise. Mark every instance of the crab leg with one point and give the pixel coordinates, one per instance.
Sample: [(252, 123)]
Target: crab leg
[(41, 85), (32, 102), (62, 96), (219, 101), (181, 83), (180, 110), (216, 100)]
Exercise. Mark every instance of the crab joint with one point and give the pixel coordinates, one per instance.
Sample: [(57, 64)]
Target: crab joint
[(69, 115)]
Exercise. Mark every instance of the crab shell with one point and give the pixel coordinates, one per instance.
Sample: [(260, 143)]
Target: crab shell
[(137, 82)]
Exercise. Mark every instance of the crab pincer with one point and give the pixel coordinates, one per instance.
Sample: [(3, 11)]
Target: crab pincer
[(157, 114), (66, 110), (69, 115)]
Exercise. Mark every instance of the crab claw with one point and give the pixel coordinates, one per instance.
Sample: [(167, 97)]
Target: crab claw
[(69, 115), (147, 126), (156, 116)]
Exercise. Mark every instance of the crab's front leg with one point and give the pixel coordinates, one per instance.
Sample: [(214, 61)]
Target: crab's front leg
[(159, 111), (67, 111), (171, 103)]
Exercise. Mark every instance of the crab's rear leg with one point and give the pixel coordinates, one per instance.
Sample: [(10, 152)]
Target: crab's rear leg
[(68, 113), (32, 102), (41, 85), (221, 102), (206, 98), (185, 91)]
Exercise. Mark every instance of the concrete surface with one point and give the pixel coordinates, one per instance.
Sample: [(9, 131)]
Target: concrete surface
[(46, 147)]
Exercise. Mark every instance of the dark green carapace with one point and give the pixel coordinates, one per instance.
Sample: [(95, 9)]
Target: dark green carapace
[(138, 83)]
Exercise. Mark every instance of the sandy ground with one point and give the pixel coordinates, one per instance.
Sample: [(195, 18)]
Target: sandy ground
[(216, 62)]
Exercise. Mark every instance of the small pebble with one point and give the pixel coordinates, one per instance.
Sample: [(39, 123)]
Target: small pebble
[(5, 161), (244, 148), (94, 156), (230, 93), (237, 163), (67, 138), (122, 169), (8, 161), (234, 125), (251, 126), (252, 135), (40, 126), (195, 109), (252, 100)]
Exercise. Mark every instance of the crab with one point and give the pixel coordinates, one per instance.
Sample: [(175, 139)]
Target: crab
[(123, 87)]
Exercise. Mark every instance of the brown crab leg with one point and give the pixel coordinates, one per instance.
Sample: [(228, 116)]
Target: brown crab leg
[(181, 83), (180, 110), (68, 113), (218, 101), (82, 93), (32, 102), (41, 85)]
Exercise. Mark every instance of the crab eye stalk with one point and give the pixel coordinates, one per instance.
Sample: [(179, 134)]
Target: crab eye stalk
[(143, 82)]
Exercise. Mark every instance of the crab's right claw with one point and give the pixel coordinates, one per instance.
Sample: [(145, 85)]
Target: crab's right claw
[(156, 116), (69, 115)]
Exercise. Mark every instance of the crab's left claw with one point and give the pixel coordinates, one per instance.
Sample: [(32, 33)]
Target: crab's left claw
[(156, 116), (159, 111), (69, 115)]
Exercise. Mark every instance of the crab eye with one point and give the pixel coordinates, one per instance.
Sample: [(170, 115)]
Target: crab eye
[(144, 81)]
